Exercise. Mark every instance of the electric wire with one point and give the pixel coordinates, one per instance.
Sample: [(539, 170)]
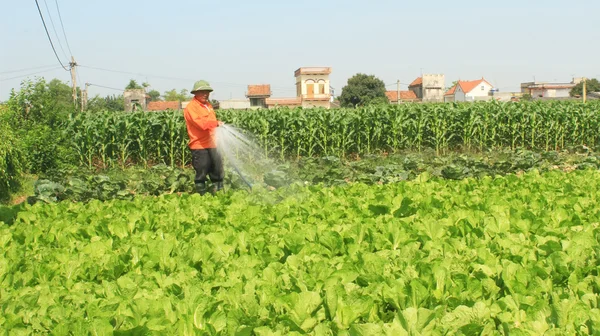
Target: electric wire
[(54, 29), (177, 78), (27, 69), (63, 28), (30, 74), (49, 38)]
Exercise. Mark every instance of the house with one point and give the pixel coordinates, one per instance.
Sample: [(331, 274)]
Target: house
[(135, 100), (258, 95), (405, 96), (429, 88), (163, 105), (312, 89), (549, 90), (475, 90), (312, 86)]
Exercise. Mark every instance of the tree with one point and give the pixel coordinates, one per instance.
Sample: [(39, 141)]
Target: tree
[(154, 95), (41, 101), (215, 103), (109, 103), (36, 114), (133, 85), (592, 85), (173, 95), (363, 90)]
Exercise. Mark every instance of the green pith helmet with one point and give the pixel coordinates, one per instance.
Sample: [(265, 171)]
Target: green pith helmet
[(201, 85)]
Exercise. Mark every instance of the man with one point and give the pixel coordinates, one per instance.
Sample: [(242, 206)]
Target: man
[(201, 122)]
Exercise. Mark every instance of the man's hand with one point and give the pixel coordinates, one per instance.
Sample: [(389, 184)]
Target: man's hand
[(220, 123)]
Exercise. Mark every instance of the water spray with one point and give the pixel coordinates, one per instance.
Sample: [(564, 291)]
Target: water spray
[(236, 168)]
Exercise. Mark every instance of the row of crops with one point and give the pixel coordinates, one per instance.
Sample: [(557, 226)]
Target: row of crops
[(111, 139), (492, 256)]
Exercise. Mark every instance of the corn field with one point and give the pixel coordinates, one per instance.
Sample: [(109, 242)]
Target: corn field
[(113, 139)]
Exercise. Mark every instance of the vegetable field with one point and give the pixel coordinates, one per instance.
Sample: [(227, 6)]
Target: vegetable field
[(120, 139), (491, 256)]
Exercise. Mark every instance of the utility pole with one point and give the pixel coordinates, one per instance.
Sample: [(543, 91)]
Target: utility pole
[(84, 98), (398, 91), (73, 64), (584, 90)]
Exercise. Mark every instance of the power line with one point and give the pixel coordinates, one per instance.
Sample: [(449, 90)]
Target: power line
[(27, 69), (63, 27), (106, 87), (31, 74), (48, 34), (176, 78), (54, 29)]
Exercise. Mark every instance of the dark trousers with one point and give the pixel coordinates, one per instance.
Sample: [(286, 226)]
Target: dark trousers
[(207, 163)]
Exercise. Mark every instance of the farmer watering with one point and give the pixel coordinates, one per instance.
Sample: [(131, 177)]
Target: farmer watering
[(201, 122)]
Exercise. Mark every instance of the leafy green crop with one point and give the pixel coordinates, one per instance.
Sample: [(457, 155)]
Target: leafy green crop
[(514, 255), (82, 185)]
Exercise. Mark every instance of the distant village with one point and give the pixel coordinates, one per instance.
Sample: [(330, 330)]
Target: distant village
[(313, 90)]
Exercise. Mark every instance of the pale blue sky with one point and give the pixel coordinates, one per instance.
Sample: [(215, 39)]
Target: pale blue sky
[(236, 43)]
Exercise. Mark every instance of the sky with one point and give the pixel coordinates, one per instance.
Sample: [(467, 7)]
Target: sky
[(171, 44)]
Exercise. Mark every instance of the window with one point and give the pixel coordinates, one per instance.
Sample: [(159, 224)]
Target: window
[(256, 102), (483, 88), (321, 88)]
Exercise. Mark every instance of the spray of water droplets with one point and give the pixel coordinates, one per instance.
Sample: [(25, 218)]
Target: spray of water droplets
[(245, 158)]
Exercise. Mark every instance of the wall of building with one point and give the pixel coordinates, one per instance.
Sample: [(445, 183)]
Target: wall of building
[(459, 95), (506, 96), (303, 80), (433, 88), (418, 91), (482, 90), (132, 96), (234, 104), (309, 104)]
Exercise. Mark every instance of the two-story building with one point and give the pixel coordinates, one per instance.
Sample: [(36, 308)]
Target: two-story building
[(312, 89), (475, 90), (429, 88), (549, 90)]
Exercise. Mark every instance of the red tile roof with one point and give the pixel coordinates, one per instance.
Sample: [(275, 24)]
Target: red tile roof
[(467, 86), (259, 90), (416, 82), (284, 101), (404, 95), (451, 91), (163, 105)]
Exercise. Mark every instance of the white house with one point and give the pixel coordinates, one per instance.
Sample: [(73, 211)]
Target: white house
[(469, 91)]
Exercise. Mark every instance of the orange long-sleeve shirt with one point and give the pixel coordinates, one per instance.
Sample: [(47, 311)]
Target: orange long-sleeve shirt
[(201, 122)]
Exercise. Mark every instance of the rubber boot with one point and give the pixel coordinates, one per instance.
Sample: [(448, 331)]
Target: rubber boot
[(201, 188), (217, 186)]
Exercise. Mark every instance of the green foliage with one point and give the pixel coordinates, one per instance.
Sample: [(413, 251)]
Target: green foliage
[(11, 158), (161, 137), (592, 85), (37, 115), (84, 184), (154, 95), (495, 256), (173, 95), (112, 103), (133, 85), (363, 90), (41, 102)]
